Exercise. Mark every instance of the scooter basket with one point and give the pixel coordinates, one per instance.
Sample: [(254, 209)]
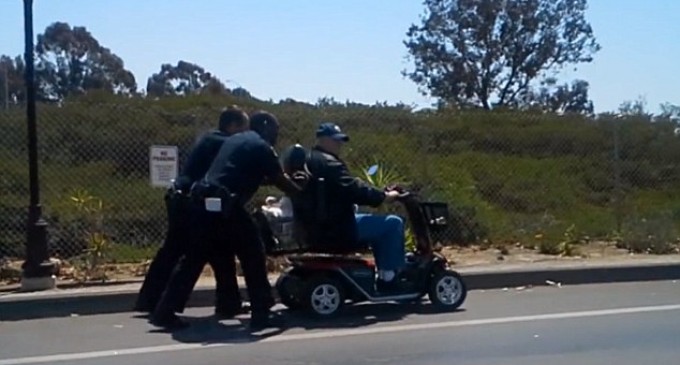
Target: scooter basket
[(276, 233), (283, 230), (436, 215)]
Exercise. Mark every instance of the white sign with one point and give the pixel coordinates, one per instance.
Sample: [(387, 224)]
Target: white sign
[(163, 165)]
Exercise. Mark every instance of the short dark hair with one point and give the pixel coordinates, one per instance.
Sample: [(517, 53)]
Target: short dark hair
[(266, 125), (232, 115)]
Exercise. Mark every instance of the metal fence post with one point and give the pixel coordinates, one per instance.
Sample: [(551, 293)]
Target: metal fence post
[(5, 87), (618, 191)]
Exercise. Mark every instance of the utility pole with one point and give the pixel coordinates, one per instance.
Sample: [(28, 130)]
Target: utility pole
[(38, 271)]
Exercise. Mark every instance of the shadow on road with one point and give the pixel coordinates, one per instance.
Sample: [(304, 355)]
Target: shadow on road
[(362, 315), (208, 330)]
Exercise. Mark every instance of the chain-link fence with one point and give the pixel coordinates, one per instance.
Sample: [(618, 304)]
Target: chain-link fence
[(508, 177)]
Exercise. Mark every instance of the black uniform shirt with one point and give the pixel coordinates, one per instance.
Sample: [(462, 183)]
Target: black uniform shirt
[(242, 164), (200, 158)]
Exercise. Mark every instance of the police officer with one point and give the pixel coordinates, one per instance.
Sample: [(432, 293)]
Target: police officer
[(244, 162), (228, 302)]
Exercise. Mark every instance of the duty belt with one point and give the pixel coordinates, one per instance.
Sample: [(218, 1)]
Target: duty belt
[(203, 193)]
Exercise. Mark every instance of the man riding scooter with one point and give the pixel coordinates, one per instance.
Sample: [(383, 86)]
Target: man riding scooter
[(335, 226)]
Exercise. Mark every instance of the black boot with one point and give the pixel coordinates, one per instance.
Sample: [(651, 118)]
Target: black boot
[(229, 313), (169, 322), (260, 320)]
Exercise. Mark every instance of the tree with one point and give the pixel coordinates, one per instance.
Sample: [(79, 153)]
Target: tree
[(670, 112), (183, 79), (560, 99), (214, 87), (635, 108), (241, 93), (70, 61), (12, 88), (486, 53)]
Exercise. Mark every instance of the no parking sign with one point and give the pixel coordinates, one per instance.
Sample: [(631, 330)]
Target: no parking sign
[(163, 165)]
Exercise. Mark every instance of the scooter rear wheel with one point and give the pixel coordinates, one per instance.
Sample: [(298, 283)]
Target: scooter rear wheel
[(325, 296), (286, 296), (447, 290)]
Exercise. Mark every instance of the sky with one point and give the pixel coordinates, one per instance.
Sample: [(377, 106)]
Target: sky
[(349, 49)]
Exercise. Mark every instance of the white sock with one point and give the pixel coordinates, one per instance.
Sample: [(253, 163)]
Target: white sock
[(388, 275)]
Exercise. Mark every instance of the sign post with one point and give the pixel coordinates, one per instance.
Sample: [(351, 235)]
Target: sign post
[(163, 165)]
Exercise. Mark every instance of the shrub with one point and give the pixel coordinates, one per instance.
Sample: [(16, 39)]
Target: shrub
[(654, 234), (500, 171)]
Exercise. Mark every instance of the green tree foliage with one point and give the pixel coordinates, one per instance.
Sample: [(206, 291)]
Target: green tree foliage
[(185, 78), (560, 99), (72, 62), (241, 92), (635, 108), (670, 112), (487, 53), (12, 88)]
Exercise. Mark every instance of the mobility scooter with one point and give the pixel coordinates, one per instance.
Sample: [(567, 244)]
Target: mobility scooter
[(323, 282)]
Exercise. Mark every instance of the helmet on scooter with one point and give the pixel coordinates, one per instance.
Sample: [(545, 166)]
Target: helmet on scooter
[(293, 159)]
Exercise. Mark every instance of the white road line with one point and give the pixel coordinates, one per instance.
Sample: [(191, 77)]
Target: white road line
[(339, 333)]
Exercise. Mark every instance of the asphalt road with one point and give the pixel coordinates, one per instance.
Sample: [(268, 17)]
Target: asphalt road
[(621, 324)]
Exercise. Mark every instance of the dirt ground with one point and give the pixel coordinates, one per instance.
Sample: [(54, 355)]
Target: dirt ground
[(10, 271), (474, 256)]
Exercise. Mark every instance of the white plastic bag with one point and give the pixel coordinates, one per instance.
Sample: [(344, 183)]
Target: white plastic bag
[(286, 206)]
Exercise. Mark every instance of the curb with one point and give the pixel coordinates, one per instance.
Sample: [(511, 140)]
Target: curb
[(71, 304), (65, 285)]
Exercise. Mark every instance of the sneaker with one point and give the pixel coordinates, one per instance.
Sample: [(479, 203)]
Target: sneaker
[(399, 285), (388, 287)]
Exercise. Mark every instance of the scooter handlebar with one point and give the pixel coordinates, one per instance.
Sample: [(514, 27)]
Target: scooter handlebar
[(403, 193)]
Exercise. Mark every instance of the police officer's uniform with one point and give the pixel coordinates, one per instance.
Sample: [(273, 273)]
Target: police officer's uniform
[(243, 163), (178, 237)]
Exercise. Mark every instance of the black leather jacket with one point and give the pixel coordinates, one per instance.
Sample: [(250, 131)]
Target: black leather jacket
[(326, 208)]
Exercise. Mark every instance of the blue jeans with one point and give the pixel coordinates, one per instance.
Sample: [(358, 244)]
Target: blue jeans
[(385, 234)]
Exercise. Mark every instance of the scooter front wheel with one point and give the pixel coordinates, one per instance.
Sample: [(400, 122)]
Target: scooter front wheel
[(447, 289)]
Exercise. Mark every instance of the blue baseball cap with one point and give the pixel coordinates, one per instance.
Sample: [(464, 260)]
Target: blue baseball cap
[(331, 130)]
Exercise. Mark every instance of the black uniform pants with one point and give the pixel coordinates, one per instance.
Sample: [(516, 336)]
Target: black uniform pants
[(178, 241), (211, 233)]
